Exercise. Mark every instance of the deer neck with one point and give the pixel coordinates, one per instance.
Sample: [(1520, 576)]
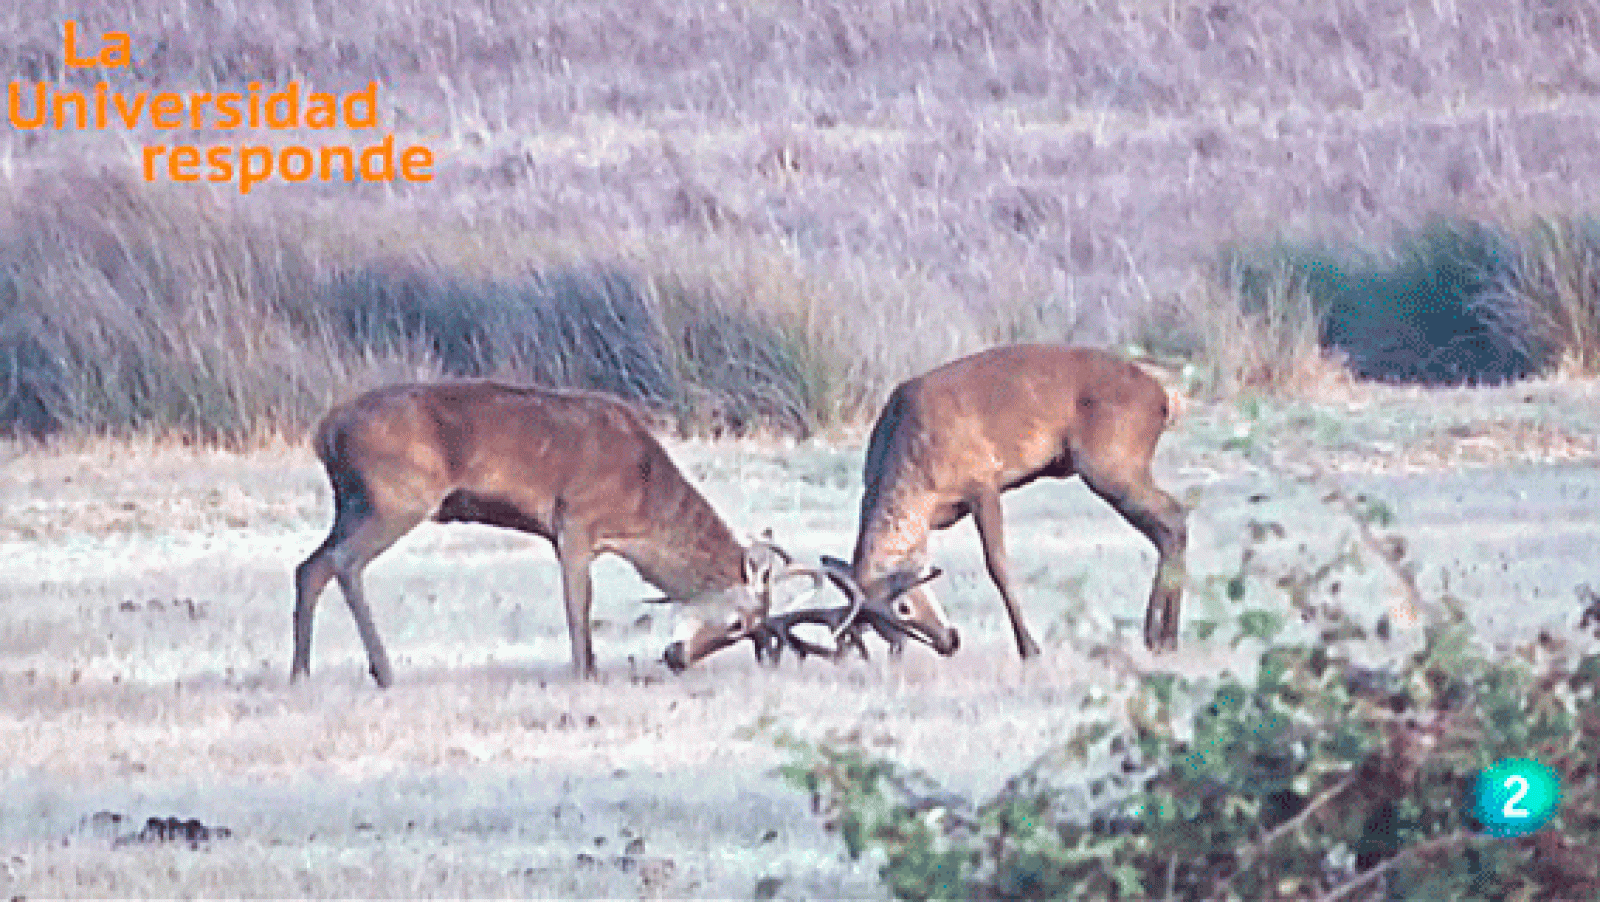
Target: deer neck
[(893, 535), (686, 552), (897, 500)]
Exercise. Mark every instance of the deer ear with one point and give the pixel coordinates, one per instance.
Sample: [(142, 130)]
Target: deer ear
[(763, 561), (904, 581), (765, 548)]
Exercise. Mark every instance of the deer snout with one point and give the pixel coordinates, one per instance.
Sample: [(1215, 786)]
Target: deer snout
[(697, 637), (945, 641), (951, 645), (675, 657)]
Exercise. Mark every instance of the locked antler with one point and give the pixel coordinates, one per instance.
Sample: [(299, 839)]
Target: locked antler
[(845, 622), (778, 632)]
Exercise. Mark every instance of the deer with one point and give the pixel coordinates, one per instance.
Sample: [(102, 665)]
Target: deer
[(580, 469), (950, 442)]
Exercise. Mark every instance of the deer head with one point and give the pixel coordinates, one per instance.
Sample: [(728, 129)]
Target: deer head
[(901, 604), (895, 607), (736, 613)]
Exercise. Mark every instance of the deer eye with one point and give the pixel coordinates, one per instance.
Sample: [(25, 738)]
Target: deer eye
[(736, 624), (902, 609)]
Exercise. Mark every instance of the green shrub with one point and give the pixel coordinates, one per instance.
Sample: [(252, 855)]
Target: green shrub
[(1441, 307), (1334, 768)]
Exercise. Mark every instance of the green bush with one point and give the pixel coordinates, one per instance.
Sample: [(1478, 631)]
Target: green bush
[(1443, 306), (1335, 768)]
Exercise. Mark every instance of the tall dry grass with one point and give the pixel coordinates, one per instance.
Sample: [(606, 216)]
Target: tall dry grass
[(760, 217), (1558, 273), (137, 310)]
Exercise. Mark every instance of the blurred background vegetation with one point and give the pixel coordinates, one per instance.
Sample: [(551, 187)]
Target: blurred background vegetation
[(758, 217)]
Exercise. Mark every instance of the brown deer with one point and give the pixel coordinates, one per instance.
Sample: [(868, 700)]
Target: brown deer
[(949, 442), (578, 468)]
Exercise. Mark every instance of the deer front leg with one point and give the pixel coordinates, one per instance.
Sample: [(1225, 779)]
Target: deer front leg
[(576, 554), (987, 516)]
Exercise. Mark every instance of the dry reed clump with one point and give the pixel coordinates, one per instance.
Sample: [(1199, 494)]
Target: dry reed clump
[(150, 314), (1558, 275), (1458, 302), (158, 312), (1265, 342), (759, 218)]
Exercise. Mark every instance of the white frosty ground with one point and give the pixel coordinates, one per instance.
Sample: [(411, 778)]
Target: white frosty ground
[(145, 600)]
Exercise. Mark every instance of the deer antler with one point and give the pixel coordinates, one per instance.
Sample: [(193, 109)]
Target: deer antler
[(769, 640), (778, 631), (843, 622)]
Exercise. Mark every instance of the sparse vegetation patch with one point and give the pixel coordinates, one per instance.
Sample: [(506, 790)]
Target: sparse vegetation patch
[(1337, 767)]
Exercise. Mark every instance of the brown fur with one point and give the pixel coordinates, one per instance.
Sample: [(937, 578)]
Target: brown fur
[(949, 442), (578, 468)]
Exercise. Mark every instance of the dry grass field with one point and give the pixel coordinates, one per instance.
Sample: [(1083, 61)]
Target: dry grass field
[(753, 218), (144, 644)]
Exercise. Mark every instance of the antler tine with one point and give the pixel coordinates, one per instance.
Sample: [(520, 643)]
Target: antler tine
[(838, 620), (766, 543), (858, 600), (846, 585), (816, 575)]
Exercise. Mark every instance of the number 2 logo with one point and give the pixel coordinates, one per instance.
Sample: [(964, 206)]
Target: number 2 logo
[(1519, 792), (1516, 796)]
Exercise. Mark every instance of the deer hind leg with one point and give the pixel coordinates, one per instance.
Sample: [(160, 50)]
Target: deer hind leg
[(356, 538), (576, 552), (986, 514), (351, 507), (1162, 520), (310, 578)]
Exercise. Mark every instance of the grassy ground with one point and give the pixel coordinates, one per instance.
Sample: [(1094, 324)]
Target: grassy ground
[(768, 213), (145, 638)]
